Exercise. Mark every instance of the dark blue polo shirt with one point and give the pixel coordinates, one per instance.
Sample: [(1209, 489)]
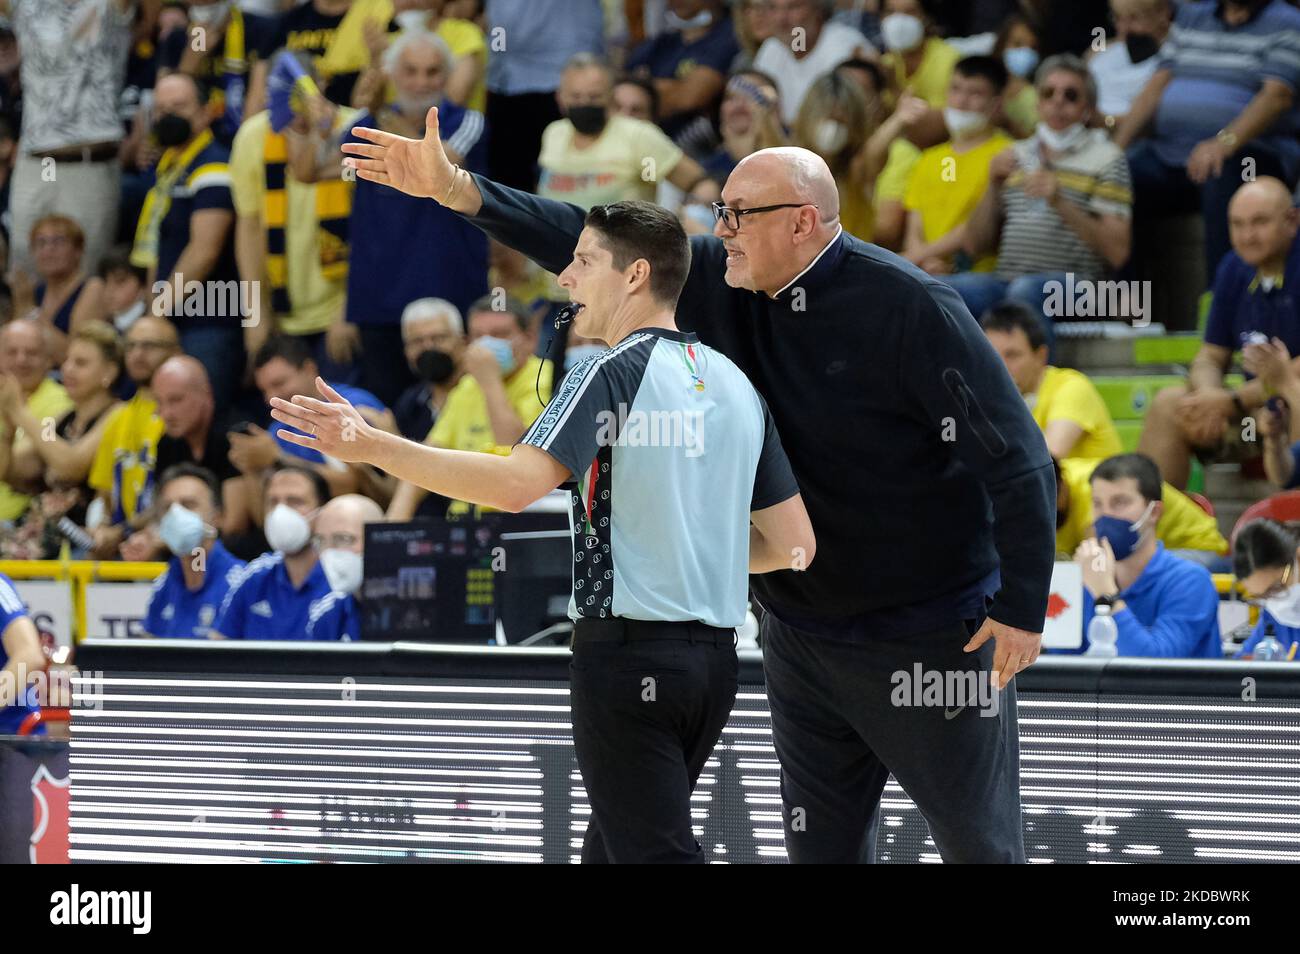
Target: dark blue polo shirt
[(265, 604), (1242, 304)]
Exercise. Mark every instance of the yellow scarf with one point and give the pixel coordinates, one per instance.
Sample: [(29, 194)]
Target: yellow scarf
[(171, 167)]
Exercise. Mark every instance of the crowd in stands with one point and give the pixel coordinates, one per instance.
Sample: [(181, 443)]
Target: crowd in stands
[(183, 243)]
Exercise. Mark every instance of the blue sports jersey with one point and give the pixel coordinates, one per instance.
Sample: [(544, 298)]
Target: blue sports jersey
[(358, 397), (336, 616), (177, 613), (264, 604), (12, 608)]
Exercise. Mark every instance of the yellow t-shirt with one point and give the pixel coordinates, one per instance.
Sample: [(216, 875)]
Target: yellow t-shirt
[(1022, 108), (1184, 525), (891, 184), (945, 187), (857, 212), (124, 462), (1068, 395), (930, 81), (49, 400), (628, 161), (315, 301)]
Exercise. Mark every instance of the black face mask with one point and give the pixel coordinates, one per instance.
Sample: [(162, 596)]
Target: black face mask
[(1141, 46), (172, 130), (435, 366), (588, 120)]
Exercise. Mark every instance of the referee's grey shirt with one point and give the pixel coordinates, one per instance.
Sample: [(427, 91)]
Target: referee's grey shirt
[(669, 448)]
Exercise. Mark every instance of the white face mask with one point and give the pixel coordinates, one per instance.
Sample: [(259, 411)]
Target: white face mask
[(1286, 608), (964, 122), (287, 530), (412, 19), (343, 569), (902, 32), (1061, 140), (212, 13), (830, 136)]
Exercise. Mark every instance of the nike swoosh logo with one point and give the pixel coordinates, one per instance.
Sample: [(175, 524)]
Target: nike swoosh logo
[(951, 714)]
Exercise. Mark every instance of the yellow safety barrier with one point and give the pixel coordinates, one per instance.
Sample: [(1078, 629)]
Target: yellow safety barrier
[(78, 574)]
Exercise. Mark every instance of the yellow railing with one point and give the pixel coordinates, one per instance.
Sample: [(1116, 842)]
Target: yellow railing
[(79, 573)]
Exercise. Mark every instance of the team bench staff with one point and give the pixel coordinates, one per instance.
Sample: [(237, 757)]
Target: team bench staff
[(664, 531), (929, 486)]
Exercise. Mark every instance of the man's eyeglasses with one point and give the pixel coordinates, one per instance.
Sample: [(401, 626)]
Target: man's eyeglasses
[(1277, 589), (731, 217), (1071, 94), (335, 541), (147, 345)]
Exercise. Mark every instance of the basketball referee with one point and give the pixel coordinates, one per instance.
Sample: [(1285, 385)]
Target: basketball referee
[(679, 489)]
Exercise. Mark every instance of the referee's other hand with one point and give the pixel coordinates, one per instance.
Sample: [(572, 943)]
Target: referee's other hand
[(1016, 649), (333, 426)]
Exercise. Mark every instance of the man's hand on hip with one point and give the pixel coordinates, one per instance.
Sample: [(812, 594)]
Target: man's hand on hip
[(1016, 649)]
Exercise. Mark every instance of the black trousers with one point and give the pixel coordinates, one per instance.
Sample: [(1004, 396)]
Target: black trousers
[(649, 701), (512, 159), (845, 715)]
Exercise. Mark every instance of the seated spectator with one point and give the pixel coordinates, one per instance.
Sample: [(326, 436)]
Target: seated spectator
[(1018, 47), (184, 238), (754, 23), (1065, 404), (1264, 561), (124, 290), (949, 179), (72, 79), (433, 337), (293, 211), (122, 472), (386, 223), (804, 45), (592, 158), (21, 657), (1181, 526), (1127, 61), (234, 41), (64, 457), (340, 541), (688, 63), (1213, 112), (915, 59), (504, 389), (636, 98), (1252, 304), (63, 296), (1057, 202), (1162, 605), (749, 120), (467, 47), (273, 596), (837, 121), (200, 571), (25, 364)]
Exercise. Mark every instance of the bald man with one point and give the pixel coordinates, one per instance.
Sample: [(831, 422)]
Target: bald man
[(25, 365), (930, 489), (1255, 311), (340, 539)]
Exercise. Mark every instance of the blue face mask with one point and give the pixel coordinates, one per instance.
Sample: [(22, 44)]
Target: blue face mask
[(502, 349), (580, 353), (1123, 536), (181, 530), (1021, 61)]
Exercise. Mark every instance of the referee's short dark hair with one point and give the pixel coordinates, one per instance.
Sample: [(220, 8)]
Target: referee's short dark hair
[(1138, 466), (635, 230), (1010, 316), (201, 474)]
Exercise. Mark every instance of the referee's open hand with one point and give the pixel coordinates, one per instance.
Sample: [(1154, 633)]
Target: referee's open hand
[(333, 426), (418, 167), (1016, 649)]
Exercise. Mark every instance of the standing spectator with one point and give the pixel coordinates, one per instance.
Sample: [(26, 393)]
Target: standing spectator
[(1264, 562), (25, 361), (688, 63), (916, 61), (804, 44), (1017, 47), (340, 541), (749, 120), (593, 158), (433, 338), (754, 23), (1162, 605), (1057, 202), (232, 44), (949, 179), (184, 237), (63, 296), (466, 67), (524, 77), (385, 223), (1065, 404), (1254, 306), (185, 599), (1213, 112), (1128, 60), (73, 67), (122, 472)]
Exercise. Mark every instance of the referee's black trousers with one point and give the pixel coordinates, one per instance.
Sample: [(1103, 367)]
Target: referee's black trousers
[(649, 701), (841, 724)]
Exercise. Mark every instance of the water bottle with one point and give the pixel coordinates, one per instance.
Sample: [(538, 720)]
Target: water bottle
[(1268, 649), (1102, 633)]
